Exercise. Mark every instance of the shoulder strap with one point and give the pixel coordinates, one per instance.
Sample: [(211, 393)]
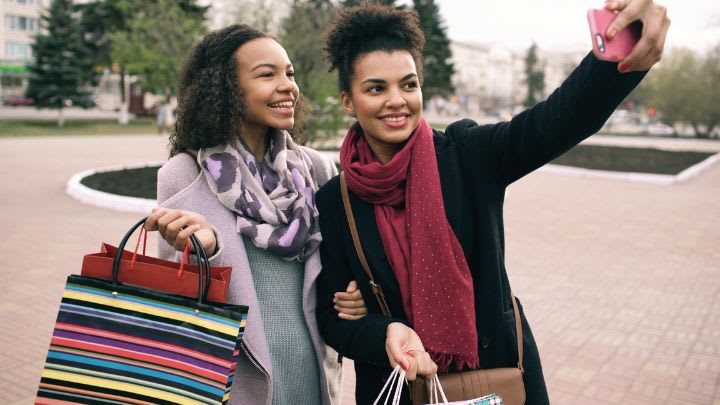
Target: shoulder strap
[(518, 332), (377, 290)]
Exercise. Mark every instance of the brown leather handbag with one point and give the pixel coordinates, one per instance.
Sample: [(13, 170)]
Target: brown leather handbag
[(506, 382)]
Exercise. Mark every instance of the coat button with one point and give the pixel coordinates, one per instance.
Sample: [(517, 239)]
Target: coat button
[(485, 342)]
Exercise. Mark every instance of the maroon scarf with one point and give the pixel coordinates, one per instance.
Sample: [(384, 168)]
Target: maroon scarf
[(426, 257)]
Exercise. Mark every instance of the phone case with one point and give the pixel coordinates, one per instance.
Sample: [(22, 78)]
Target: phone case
[(620, 47)]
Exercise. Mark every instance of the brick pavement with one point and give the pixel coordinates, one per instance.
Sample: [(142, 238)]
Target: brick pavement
[(620, 280)]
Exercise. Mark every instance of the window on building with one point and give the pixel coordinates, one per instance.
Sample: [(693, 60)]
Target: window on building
[(22, 2), (21, 23), (17, 51)]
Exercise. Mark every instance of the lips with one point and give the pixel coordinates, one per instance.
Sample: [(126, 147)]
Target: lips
[(395, 120)]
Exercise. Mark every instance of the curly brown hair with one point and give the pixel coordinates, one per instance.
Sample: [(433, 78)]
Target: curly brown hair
[(210, 104), (372, 27)]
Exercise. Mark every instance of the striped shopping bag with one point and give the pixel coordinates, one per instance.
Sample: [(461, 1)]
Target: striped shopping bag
[(116, 343)]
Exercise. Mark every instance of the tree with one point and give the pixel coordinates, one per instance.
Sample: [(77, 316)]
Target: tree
[(61, 68), (685, 88), (534, 76), (155, 41), (300, 31), (438, 68), (264, 15)]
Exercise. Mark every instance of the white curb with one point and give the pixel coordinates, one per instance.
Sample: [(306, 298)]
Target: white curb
[(90, 196)]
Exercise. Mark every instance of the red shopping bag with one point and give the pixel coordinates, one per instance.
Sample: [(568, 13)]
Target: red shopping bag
[(157, 274)]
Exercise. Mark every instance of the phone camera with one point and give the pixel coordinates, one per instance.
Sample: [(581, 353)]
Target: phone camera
[(600, 43)]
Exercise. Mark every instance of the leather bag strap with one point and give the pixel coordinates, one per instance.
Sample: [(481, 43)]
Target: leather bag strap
[(376, 289), (518, 332)]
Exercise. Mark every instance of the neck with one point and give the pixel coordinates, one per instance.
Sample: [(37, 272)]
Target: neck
[(255, 138), (383, 153)]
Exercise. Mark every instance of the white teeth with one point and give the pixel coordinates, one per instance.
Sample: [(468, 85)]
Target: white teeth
[(394, 119), (282, 104)]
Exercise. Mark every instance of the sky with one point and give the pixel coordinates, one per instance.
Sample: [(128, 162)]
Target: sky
[(562, 24)]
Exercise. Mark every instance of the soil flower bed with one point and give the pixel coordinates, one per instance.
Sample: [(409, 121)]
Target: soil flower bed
[(141, 182)]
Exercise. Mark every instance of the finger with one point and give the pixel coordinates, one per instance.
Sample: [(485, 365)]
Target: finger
[(175, 227), (151, 221), (426, 367), (412, 371), (167, 218), (348, 317), (352, 287), (653, 50), (349, 303), (182, 237), (393, 348), (351, 311), (628, 13)]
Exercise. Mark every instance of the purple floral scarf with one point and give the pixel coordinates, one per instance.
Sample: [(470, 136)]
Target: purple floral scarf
[(273, 199)]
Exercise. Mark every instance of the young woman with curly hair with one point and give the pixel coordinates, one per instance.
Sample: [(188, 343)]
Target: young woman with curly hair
[(429, 205), (238, 181)]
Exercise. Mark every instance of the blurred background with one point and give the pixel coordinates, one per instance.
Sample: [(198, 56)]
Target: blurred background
[(613, 248), (487, 60)]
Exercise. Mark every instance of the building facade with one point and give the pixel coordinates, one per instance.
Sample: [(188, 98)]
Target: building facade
[(20, 22), (490, 78)]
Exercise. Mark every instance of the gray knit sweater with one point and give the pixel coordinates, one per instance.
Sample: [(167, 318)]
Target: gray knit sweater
[(279, 285)]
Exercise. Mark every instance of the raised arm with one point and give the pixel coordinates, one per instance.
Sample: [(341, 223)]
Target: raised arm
[(573, 112)]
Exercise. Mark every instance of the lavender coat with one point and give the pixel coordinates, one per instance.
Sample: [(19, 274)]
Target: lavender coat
[(180, 185)]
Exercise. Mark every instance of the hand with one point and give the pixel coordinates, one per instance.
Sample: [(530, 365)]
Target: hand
[(350, 304), (403, 346), (648, 51), (176, 226)]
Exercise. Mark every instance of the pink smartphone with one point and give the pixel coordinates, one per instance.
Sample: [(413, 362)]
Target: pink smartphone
[(620, 47)]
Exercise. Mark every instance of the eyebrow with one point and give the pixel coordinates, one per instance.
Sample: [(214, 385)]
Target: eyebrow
[(406, 77), (269, 65)]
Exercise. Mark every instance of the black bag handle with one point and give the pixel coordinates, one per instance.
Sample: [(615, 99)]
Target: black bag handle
[(203, 262)]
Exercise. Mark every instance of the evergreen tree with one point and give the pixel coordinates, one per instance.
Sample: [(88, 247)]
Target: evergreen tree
[(436, 55), (62, 66), (534, 77), (300, 32)]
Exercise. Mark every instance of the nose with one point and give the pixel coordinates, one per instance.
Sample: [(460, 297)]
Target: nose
[(395, 99), (286, 85)]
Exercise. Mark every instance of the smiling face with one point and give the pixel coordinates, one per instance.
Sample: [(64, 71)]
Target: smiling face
[(386, 98), (266, 80)]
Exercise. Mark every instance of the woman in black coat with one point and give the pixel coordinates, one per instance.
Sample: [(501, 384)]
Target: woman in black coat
[(429, 205)]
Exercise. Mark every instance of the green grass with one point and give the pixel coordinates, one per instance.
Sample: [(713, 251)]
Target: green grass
[(21, 127), (141, 182)]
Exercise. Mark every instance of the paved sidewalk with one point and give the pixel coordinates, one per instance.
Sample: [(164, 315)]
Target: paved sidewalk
[(620, 280)]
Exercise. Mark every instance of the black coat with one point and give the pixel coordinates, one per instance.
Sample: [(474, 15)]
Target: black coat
[(476, 164)]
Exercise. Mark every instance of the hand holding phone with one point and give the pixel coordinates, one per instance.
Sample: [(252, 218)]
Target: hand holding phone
[(618, 48)]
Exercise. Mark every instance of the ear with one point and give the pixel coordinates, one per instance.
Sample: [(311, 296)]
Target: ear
[(347, 103)]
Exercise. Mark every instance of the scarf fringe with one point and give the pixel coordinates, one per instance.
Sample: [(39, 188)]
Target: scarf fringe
[(444, 360)]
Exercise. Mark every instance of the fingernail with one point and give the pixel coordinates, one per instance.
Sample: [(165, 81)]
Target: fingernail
[(623, 68), (612, 33), (404, 365)]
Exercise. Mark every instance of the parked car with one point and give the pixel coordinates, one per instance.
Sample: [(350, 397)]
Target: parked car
[(659, 128), (14, 101)]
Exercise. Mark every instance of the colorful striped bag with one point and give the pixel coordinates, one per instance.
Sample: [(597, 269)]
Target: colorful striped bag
[(124, 344)]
